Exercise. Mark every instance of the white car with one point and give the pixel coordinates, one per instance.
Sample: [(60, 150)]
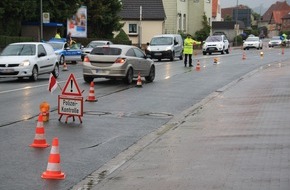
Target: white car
[(28, 59), (92, 45), (253, 42), (275, 41), (215, 43)]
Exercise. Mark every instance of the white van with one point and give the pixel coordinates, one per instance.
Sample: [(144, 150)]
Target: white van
[(165, 46)]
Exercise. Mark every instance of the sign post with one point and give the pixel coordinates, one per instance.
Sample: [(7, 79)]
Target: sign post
[(70, 102)]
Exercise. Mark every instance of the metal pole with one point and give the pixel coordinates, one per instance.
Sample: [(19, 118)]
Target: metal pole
[(41, 22), (140, 29), (237, 22)]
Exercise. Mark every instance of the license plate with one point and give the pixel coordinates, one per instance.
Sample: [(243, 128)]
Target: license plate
[(6, 70), (158, 54), (98, 71)]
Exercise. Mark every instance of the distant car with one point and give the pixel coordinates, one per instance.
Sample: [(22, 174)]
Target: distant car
[(275, 41), (93, 44), (28, 59), (216, 43), (64, 52), (118, 62), (253, 42)]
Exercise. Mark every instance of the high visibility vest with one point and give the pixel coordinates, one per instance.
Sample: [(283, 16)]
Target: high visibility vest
[(188, 45)]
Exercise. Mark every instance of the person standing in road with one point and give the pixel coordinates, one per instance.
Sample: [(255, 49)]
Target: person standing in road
[(68, 39), (57, 35), (188, 49)]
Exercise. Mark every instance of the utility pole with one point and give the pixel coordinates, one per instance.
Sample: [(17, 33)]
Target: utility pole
[(140, 29), (41, 22), (237, 22)]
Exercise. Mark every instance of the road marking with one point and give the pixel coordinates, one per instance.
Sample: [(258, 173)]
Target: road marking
[(30, 87)]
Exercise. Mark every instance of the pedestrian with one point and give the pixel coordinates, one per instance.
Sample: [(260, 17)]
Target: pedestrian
[(188, 49), (68, 39), (57, 35)]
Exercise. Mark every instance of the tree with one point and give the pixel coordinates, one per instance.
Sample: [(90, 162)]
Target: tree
[(203, 33), (103, 17)]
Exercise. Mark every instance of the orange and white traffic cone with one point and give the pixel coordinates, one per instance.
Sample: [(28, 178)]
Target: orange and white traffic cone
[(139, 81), (53, 170), (244, 55), (39, 139), (64, 67), (197, 66), (91, 97)]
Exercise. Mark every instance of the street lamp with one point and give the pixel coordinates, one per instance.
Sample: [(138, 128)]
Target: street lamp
[(41, 21)]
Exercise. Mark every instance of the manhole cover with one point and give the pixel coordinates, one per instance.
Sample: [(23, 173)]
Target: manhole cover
[(99, 113)]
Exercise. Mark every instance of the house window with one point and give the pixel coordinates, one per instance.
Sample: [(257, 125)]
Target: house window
[(133, 29)]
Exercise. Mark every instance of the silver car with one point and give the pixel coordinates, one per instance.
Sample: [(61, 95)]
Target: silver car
[(28, 59), (253, 42), (118, 62)]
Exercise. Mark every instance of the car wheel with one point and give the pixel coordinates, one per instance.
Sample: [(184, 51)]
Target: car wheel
[(227, 51), (129, 76), (209, 53), (88, 79), (172, 56), (151, 75), (222, 52), (181, 56), (159, 59), (204, 53), (55, 71), (61, 60), (34, 75)]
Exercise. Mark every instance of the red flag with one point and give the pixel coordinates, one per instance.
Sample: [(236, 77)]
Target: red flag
[(52, 83)]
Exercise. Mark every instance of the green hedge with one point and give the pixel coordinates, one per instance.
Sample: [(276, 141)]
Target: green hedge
[(5, 40)]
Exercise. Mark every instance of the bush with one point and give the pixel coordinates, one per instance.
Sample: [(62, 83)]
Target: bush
[(122, 38), (238, 40)]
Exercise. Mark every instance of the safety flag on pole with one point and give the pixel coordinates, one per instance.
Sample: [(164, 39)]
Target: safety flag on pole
[(52, 83)]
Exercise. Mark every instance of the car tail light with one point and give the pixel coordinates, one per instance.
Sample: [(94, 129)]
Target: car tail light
[(86, 59), (120, 60)]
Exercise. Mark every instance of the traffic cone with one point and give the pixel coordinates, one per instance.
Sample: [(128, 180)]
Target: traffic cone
[(261, 54), (215, 61), (91, 97), (64, 67), (197, 66), (39, 139), (244, 55), (139, 81), (53, 170)]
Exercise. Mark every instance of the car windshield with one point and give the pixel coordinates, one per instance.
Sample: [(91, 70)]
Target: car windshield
[(161, 41), (252, 39), (19, 50), (105, 50), (95, 44), (56, 45), (275, 38), (214, 39)]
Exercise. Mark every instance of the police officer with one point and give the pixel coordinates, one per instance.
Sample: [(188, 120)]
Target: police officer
[(188, 49)]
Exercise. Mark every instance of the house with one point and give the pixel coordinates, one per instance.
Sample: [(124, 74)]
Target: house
[(286, 22), (216, 10), (240, 13), (272, 18), (186, 16), (142, 20), (230, 28)]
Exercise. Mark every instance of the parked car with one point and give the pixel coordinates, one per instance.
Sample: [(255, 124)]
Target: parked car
[(253, 42), (215, 43), (166, 46), (118, 62), (275, 41), (66, 53), (93, 44), (28, 59)]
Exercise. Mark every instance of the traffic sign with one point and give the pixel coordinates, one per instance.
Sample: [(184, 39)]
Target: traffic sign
[(71, 87)]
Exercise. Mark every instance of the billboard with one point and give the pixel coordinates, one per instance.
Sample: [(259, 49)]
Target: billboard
[(77, 25)]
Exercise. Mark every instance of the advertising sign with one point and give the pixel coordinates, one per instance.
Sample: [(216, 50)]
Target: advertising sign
[(77, 25), (70, 105)]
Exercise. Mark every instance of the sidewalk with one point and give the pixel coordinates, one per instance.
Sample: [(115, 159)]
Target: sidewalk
[(238, 138)]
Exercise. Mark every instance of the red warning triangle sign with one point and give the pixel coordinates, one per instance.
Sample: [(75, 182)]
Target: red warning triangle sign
[(71, 87)]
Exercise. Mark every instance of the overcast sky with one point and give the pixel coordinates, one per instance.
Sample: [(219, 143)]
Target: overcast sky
[(254, 4)]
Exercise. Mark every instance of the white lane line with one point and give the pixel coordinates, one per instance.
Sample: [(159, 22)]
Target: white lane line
[(30, 87)]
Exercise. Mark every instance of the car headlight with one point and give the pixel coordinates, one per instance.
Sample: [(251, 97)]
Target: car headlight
[(148, 49), (24, 63)]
